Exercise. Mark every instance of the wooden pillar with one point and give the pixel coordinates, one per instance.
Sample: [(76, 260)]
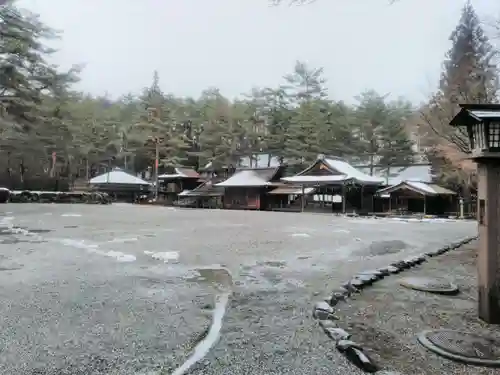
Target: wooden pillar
[(343, 199), (425, 204), (302, 199), (362, 195), (488, 260)]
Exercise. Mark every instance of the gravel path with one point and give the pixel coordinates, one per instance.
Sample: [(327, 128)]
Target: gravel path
[(387, 317), (128, 289)]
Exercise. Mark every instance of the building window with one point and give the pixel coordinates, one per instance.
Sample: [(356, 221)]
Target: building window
[(494, 135)]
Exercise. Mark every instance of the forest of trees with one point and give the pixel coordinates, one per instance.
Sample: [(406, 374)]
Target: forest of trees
[(42, 116)]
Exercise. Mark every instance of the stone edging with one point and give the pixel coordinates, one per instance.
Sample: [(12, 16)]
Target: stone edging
[(324, 311), (28, 196)]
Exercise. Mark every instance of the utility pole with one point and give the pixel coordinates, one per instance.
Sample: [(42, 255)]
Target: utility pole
[(157, 153), (152, 115)]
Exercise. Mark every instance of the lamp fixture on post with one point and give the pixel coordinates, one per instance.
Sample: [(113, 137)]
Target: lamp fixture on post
[(482, 122)]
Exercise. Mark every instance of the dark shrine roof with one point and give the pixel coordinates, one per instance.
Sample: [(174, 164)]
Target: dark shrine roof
[(475, 113)]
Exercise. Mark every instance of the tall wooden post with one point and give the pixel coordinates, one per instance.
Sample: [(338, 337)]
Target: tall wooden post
[(362, 195), (343, 199), (482, 124), (156, 168), (302, 199), (488, 259)]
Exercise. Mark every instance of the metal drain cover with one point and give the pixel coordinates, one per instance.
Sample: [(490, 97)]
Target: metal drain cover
[(463, 347), (428, 284)]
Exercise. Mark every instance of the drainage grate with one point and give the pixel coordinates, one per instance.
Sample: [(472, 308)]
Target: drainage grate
[(427, 284), (463, 347)]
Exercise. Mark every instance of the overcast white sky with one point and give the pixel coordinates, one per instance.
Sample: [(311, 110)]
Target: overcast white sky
[(239, 44)]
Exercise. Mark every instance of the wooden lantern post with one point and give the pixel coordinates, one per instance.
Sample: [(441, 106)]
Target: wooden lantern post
[(482, 122)]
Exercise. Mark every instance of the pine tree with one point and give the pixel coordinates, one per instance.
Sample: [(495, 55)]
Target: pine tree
[(303, 138), (380, 132), (278, 116), (395, 146), (305, 92), (336, 134), (159, 128), (305, 84), (33, 121), (470, 74), (218, 139)]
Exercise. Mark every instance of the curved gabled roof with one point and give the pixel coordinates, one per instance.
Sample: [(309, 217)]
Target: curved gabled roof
[(244, 178), (339, 166), (342, 166), (117, 176)]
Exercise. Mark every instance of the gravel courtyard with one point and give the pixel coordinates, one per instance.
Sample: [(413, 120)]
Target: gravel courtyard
[(126, 289)]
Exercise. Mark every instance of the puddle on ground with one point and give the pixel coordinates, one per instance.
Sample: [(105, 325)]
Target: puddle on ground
[(275, 264), (13, 241), (5, 232), (271, 276), (152, 281), (123, 239), (304, 257), (11, 268), (387, 247), (71, 226), (217, 277), (10, 241), (38, 230)]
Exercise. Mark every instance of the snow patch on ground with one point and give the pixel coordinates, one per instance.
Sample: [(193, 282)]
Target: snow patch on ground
[(69, 214), (341, 231), (121, 257), (166, 257), (123, 239), (94, 248), (301, 235), (11, 228)]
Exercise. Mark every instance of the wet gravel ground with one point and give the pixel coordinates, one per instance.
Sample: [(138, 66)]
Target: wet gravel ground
[(128, 289), (387, 318)]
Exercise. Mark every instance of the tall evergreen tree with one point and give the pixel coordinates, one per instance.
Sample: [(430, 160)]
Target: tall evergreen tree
[(379, 128), (278, 116), (306, 95), (470, 75), (303, 143), (218, 139), (160, 128), (33, 120), (305, 83), (336, 134)]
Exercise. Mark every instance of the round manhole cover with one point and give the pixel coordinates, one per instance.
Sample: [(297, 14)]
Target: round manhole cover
[(428, 284), (463, 347)]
